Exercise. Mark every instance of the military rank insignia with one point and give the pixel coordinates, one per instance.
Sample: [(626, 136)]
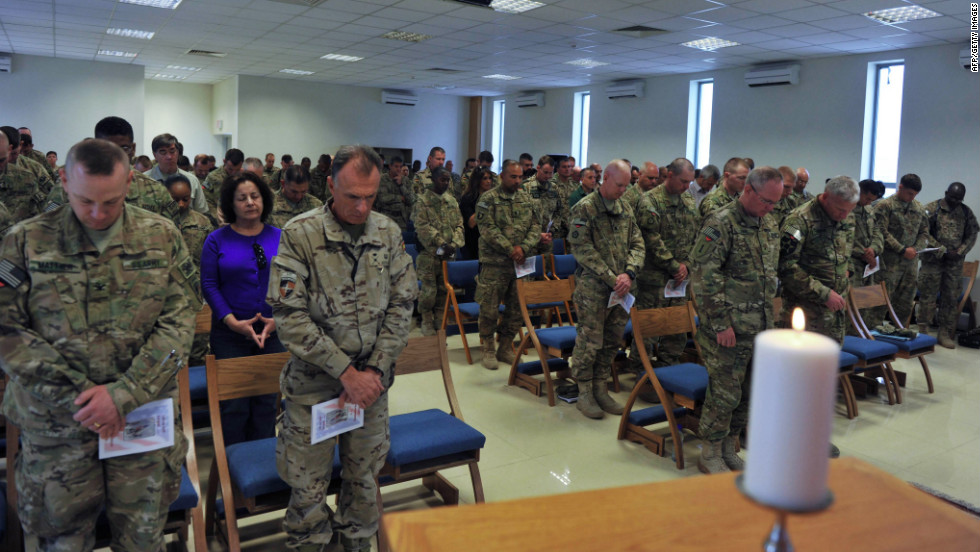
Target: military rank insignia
[(287, 284)]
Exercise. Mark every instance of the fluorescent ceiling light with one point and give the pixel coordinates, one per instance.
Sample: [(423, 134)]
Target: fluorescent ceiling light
[(130, 33), (116, 53), (341, 57), (295, 72), (406, 36), (170, 77), (500, 77), (891, 16), (514, 6), (710, 44), (586, 62), (183, 68), (166, 4)]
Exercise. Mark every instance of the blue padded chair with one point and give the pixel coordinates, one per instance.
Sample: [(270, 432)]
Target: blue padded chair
[(413, 252), (197, 375), (680, 387), (553, 307), (563, 266), (555, 342), (460, 275), (558, 246), (410, 237), (427, 441)]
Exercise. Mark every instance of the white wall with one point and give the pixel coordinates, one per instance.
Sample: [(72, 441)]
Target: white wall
[(61, 100), (308, 119), (224, 108), (184, 110)]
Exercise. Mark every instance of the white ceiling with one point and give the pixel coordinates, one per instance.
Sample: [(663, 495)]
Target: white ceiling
[(263, 36)]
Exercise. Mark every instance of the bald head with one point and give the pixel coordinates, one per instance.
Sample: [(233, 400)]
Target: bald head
[(4, 149), (802, 179), (614, 180)]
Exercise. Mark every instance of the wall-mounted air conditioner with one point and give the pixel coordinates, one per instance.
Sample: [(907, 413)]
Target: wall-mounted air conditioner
[(532, 98), (625, 89), (773, 75), (399, 97)]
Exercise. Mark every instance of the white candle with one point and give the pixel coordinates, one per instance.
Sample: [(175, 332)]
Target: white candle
[(794, 387)]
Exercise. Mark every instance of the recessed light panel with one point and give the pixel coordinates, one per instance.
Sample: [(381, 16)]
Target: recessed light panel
[(406, 36), (183, 68), (116, 53), (130, 33), (891, 16), (710, 44), (295, 72), (169, 77), (514, 6), (586, 62), (341, 57), (165, 4), (500, 77)]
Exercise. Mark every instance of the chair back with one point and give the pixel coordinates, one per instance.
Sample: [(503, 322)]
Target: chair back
[(532, 292), (563, 266), (413, 251), (235, 378), (539, 268), (202, 322), (424, 354), (969, 278), (409, 237), (461, 274), (866, 297), (661, 321), (558, 246)]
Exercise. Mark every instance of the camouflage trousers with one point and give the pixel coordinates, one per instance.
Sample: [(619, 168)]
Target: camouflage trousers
[(307, 469), (819, 318), (432, 298), (726, 404), (669, 347), (63, 488), (599, 333), (498, 285), (901, 278), (945, 279)]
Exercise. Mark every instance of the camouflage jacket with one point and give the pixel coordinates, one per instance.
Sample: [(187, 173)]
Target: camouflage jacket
[(395, 200), (669, 224), (41, 159), (902, 225), (606, 241), (144, 192), (782, 210), (814, 256), (275, 179), (318, 184), (552, 206), (799, 198), (6, 220), (632, 197), (198, 202), (212, 188), (339, 303), (421, 181), (19, 192), (45, 182), (506, 220), (565, 188), (866, 234), (717, 198), (735, 261), (437, 222), (952, 229), (74, 318), (194, 228), (283, 209)]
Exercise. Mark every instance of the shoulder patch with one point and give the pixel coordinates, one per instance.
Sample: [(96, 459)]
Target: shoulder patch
[(10, 275), (483, 204), (710, 233), (793, 233), (579, 222), (287, 283)]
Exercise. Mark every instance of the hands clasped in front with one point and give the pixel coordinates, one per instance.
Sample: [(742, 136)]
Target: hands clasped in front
[(247, 327)]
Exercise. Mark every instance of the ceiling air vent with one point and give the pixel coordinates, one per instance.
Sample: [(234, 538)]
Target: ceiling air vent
[(206, 53), (640, 31), (444, 70)]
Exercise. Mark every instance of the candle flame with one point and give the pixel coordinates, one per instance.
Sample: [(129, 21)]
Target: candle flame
[(799, 322)]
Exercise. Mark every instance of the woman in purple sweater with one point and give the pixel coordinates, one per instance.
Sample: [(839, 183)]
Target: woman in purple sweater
[(234, 280)]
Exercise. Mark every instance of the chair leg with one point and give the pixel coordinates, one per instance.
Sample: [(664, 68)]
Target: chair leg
[(477, 483), (462, 336), (925, 369), (894, 379), (383, 545), (850, 401)]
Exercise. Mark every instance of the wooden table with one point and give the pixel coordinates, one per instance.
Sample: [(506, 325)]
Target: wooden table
[(872, 510)]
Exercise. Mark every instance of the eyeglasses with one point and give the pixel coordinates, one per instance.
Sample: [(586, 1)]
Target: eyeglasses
[(260, 259), (767, 202)]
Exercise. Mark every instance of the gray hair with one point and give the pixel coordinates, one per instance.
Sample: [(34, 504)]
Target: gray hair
[(364, 158), (253, 163), (843, 187), (710, 171), (759, 177)]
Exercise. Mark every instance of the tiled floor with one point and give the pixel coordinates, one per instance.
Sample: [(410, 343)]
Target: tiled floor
[(535, 450)]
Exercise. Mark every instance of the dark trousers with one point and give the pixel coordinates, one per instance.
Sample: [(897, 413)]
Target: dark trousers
[(249, 418)]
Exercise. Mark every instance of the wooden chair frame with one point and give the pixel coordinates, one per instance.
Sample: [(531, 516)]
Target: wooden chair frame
[(877, 296), (187, 423), (531, 292), (650, 323), (235, 378), (970, 273), (451, 305)]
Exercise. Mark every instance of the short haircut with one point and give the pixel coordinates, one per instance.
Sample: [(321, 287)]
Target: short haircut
[(164, 140), (26, 139), (471, 160), (526, 157), (789, 175), (200, 157), (734, 163), (297, 174), (113, 126), (434, 151), (868, 186), (13, 137), (235, 156), (438, 172), (912, 182), (761, 176), (252, 163), (52, 152), (585, 170), (363, 157), (485, 156), (397, 159), (286, 158), (96, 156), (305, 160), (211, 159), (710, 171), (226, 201), (509, 163), (679, 165), (546, 160), (324, 158), (169, 182), (843, 187)]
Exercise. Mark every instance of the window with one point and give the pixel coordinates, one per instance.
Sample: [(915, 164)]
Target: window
[(699, 121), (497, 142), (580, 126), (883, 122)]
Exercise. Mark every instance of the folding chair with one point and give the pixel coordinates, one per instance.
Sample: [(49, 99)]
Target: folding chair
[(197, 375), (460, 275), (558, 246), (681, 388), (553, 345), (553, 307), (562, 266), (426, 442), (877, 296), (188, 508), (246, 472), (966, 302)]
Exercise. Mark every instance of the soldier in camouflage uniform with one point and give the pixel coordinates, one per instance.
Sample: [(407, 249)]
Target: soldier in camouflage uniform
[(814, 258), (28, 150), (905, 229), (953, 228), (14, 158), (733, 182), (18, 188), (318, 178), (735, 260), (609, 250), (422, 180), (646, 182), (93, 301), (269, 168), (551, 205), (278, 176), (509, 233), (439, 226), (6, 220), (232, 166), (293, 198), (395, 196), (341, 289), (562, 179), (544, 174), (786, 204), (800, 195), (668, 219), (586, 186)]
